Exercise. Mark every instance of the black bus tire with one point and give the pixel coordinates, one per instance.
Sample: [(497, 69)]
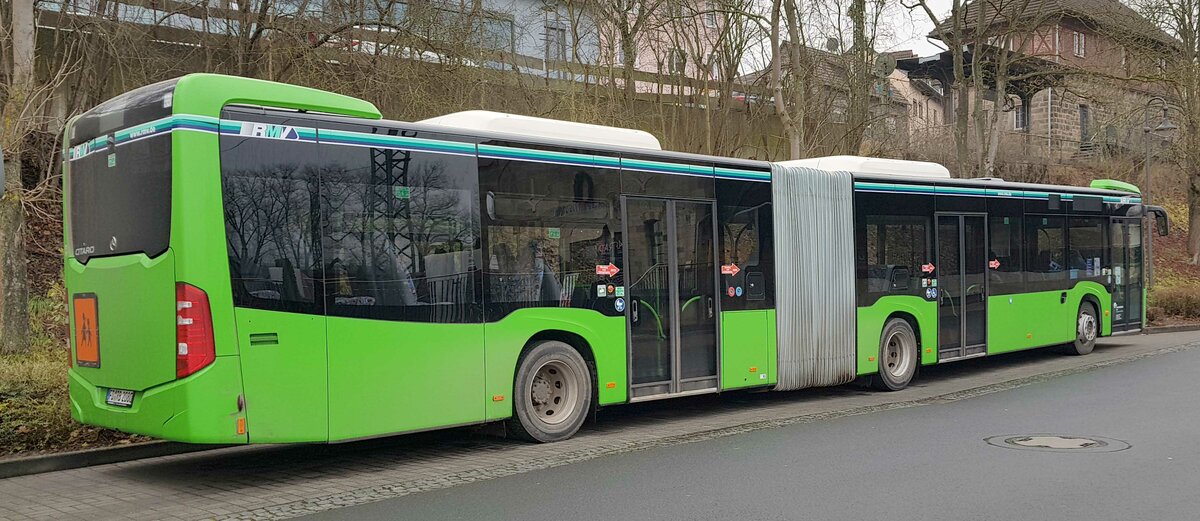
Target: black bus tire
[(898, 356), (552, 393)]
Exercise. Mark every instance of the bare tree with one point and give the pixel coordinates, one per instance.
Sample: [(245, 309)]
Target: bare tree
[(1180, 68), (17, 102)]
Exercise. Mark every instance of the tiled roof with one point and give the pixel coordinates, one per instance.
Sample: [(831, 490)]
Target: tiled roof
[(1103, 14)]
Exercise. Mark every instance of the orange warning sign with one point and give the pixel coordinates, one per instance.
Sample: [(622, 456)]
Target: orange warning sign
[(87, 330)]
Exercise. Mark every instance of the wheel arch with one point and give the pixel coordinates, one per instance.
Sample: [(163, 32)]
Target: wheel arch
[(575, 340), (1103, 320)]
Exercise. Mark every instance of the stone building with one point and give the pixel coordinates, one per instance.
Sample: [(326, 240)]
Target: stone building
[(1072, 67)]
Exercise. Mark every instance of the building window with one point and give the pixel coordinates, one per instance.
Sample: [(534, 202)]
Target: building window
[(1085, 123), (677, 61), (838, 114), (1021, 117), (710, 14), (556, 43), (1080, 44)]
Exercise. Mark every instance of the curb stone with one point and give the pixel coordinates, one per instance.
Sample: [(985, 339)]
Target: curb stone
[(100, 456)]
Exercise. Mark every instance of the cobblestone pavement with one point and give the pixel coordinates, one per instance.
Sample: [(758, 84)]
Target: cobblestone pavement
[(276, 482)]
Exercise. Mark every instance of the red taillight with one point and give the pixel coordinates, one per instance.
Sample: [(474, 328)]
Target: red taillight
[(194, 347)]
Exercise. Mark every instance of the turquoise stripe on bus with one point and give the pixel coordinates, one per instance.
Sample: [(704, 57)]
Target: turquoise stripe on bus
[(382, 140), (499, 152), (866, 186)]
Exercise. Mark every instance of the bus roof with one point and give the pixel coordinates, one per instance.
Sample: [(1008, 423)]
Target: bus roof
[(546, 128)]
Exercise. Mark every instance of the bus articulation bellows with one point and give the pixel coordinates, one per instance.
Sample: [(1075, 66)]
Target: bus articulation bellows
[(255, 262)]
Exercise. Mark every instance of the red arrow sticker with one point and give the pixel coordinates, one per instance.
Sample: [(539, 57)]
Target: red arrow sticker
[(927, 268), (994, 264), (609, 270), (729, 269)]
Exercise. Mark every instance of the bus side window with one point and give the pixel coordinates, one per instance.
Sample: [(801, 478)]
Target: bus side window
[(547, 228)]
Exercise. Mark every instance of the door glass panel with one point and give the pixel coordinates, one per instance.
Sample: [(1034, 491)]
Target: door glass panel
[(697, 287), (1117, 232), (950, 284), (649, 290), (974, 273), (1133, 286)]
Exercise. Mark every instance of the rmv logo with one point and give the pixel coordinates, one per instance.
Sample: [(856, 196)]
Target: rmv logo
[(269, 131)]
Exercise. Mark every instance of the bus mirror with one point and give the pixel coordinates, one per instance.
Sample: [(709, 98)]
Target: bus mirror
[(491, 205), (1160, 222), (1161, 226)]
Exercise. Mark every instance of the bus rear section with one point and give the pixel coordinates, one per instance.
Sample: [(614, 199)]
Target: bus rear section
[(143, 356)]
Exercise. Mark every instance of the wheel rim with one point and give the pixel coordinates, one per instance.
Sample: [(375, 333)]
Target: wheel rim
[(553, 393), (1086, 328), (897, 354)]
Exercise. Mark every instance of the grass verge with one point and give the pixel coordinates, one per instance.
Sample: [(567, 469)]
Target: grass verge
[(35, 410)]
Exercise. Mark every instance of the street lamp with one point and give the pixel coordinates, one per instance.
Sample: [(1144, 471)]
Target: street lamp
[(1166, 127)]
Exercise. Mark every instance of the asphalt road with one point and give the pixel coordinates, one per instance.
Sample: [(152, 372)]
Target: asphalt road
[(916, 463)]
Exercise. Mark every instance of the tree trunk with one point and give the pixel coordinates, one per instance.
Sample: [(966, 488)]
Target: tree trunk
[(1193, 243), (22, 41), (14, 279), (14, 283)]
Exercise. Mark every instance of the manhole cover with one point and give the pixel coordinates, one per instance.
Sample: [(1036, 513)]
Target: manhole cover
[(1057, 443)]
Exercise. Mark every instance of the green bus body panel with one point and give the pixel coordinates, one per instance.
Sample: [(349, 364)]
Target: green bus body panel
[(389, 376), (286, 383), (135, 302), (506, 338), (207, 94), (871, 320), (1028, 320), (199, 409), (773, 354), (198, 230), (1113, 184), (747, 342)]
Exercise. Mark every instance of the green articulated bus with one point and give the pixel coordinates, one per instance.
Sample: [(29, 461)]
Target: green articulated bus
[(256, 262)]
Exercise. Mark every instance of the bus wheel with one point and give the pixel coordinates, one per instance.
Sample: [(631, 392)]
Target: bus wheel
[(552, 393), (1087, 328), (897, 356)]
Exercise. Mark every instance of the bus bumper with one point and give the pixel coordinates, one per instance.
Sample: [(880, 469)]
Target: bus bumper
[(202, 408)]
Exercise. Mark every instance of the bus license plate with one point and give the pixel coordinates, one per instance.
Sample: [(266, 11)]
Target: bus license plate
[(120, 397)]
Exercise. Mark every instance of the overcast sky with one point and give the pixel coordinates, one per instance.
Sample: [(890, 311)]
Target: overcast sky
[(910, 28)]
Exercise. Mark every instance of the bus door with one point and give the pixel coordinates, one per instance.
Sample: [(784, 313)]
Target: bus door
[(961, 269), (670, 258), (1125, 235)]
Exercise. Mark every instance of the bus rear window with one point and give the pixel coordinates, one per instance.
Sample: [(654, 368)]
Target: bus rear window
[(119, 183)]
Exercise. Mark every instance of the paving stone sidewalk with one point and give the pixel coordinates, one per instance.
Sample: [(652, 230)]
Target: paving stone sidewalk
[(277, 482)]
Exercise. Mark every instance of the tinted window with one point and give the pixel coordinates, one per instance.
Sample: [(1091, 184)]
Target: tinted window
[(1045, 262), (271, 194), (747, 241), (120, 199), (1086, 257), (547, 228), (1005, 244), (119, 191), (648, 181), (401, 237), (892, 236)]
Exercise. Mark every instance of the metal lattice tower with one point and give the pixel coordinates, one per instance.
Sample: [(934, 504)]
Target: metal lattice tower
[(390, 191)]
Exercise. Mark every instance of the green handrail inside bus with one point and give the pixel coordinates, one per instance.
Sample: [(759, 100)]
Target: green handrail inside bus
[(689, 301), (657, 317)]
